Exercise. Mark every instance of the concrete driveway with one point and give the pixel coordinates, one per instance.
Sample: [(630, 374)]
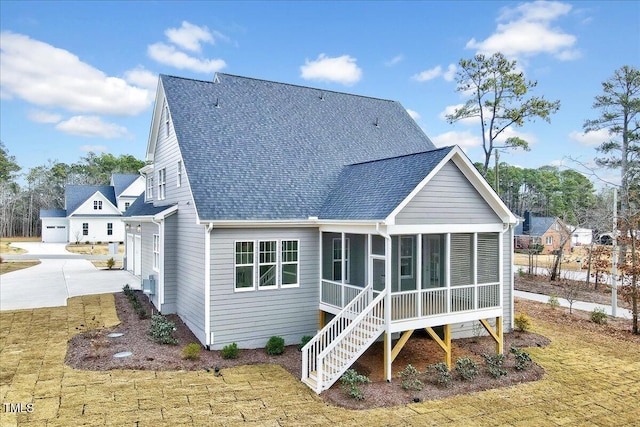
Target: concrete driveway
[(50, 283)]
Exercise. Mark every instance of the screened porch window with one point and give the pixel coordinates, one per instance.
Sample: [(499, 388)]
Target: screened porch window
[(244, 266), (433, 257), (488, 258), (461, 259), (407, 257)]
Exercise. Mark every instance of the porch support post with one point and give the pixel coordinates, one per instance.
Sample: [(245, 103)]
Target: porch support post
[(400, 344), (444, 344), (497, 334), (321, 319), (387, 307)]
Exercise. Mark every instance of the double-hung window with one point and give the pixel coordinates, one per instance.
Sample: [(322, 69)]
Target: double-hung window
[(109, 229), (268, 264), (149, 195), (156, 252), (289, 263), (337, 259), (85, 228), (166, 120), (406, 257), (244, 262), (162, 183), (179, 174), (272, 264)]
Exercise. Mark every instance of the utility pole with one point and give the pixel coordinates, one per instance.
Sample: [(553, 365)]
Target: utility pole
[(614, 260)]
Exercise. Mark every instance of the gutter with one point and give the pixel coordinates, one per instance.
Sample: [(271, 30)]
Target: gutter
[(207, 286)]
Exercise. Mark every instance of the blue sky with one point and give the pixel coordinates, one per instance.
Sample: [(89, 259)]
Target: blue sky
[(81, 76)]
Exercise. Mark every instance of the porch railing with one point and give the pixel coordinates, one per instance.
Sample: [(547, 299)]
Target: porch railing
[(337, 294)]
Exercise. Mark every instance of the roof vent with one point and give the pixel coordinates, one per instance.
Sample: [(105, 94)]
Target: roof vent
[(216, 78), (321, 96), (217, 105), (376, 123)]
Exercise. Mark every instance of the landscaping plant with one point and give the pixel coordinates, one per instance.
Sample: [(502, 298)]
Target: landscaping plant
[(522, 322), (599, 316), (410, 380), (442, 373), (523, 360), (275, 345), (494, 364), (305, 339), (553, 301), (351, 382), (191, 351), (161, 330), (466, 368), (230, 351)]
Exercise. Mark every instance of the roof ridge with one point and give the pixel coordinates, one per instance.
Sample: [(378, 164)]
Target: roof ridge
[(280, 83), (449, 147)]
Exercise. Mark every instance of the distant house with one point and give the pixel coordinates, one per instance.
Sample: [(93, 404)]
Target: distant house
[(543, 235), (275, 209), (92, 212), (581, 237)]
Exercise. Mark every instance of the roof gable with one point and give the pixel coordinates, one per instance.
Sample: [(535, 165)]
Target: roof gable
[(260, 150), (77, 195), (122, 182), (372, 190)]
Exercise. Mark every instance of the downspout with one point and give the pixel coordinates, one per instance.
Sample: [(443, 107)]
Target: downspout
[(207, 286), (387, 301), (160, 225)]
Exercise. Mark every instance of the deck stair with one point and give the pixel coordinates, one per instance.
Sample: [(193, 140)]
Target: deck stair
[(343, 340)]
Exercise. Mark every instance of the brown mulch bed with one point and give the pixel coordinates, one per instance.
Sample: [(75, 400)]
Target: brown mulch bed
[(93, 350)]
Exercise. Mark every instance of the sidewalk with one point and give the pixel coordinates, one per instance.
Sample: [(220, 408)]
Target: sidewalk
[(577, 305)]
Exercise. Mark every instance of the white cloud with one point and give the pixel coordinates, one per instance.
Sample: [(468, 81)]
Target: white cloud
[(451, 109), (450, 74), (189, 36), (142, 78), (168, 55), (428, 74), (94, 148), (91, 127), (414, 114), (591, 139), (342, 69), (48, 76), (464, 139), (395, 60), (40, 116), (526, 30)]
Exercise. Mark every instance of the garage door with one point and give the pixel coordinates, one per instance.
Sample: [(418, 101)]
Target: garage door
[(54, 234)]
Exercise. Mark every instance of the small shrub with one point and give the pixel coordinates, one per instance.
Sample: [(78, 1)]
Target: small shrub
[(599, 316), (98, 243), (110, 263), (442, 373), (410, 380), (161, 330), (305, 339), (522, 322), (138, 308), (553, 301), (494, 364), (466, 368), (230, 351), (191, 351), (351, 381), (275, 345), (523, 360)]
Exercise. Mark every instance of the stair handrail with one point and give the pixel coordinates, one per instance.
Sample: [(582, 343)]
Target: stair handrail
[(334, 343), (322, 335)]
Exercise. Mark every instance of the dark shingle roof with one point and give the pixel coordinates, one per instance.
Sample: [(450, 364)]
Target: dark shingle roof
[(140, 208), (261, 150), (372, 190), (53, 213), (122, 181), (76, 195), (539, 226)]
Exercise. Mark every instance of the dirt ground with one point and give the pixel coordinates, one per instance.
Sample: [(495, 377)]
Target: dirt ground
[(93, 350)]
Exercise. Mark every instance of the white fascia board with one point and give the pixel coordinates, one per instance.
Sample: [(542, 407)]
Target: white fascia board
[(444, 228), (104, 199), (257, 223), (165, 213), (146, 169), (153, 132)]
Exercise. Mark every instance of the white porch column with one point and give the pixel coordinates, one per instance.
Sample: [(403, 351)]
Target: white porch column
[(387, 306)]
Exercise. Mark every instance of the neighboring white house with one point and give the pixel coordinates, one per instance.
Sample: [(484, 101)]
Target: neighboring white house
[(581, 237), (92, 212), (277, 209)]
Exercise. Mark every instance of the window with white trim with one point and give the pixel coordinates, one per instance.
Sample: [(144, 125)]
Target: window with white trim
[(109, 229), (149, 194), (179, 174), (549, 240), (407, 254), (85, 228), (337, 259), (97, 205), (156, 252), (289, 263), (162, 183), (126, 205), (166, 120), (244, 265), (268, 264)]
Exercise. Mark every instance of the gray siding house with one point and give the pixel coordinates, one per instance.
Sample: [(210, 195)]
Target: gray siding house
[(276, 209)]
